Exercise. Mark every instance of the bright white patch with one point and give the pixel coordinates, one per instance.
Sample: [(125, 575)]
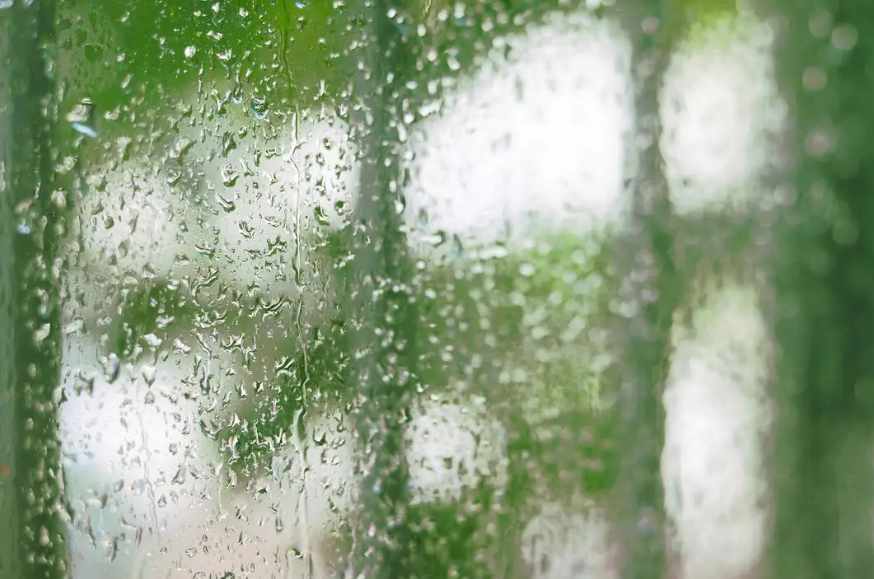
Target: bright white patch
[(717, 415), (133, 222), (569, 543), (147, 487), (272, 524), (137, 464), (284, 189), (451, 448), (533, 142), (721, 111)]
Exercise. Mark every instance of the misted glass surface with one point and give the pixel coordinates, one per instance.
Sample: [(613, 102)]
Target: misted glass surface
[(240, 386)]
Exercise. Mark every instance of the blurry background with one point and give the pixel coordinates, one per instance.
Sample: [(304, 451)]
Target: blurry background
[(210, 417)]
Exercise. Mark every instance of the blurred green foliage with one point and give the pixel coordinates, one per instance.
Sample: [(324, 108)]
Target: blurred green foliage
[(526, 328), (275, 50), (138, 58)]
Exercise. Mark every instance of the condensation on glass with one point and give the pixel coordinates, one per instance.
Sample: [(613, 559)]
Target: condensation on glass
[(213, 397)]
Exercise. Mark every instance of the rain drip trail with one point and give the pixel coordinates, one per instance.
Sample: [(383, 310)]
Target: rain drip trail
[(297, 426), (302, 501), (150, 486), (301, 412), (284, 17), (296, 261)]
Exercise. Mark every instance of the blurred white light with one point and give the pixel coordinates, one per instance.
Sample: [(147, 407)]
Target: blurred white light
[(451, 448), (290, 186), (137, 463), (570, 542), (132, 222), (717, 418), (721, 112), (532, 143)]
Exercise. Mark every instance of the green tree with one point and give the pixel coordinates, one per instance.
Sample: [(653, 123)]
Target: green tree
[(824, 292)]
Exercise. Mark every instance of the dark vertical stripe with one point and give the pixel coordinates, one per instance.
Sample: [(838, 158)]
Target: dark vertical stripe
[(384, 311), (651, 287), (32, 543)]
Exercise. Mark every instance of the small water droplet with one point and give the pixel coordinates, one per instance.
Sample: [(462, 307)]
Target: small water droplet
[(456, 250), (110, 548), (437, 239), (229, 176), (42, 333), (149, 374), (111, 368), (422, 218), (84, 129), (232, 445), (180, 476), (209, 430), (190, 51), (259, 107), (228, 143), (227, 205), (44, 538)]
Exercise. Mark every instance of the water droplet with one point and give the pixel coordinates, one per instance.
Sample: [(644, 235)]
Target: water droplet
[(190, 51), (110, 547), (111, 368), (42, 333), (436, 239), (527, 270), (422, 218), (149, 374), (844, 37), (229, 176), (456, 249), (209, 430), (180, 476), (228, 143), (259, 107), (84, 129), (227, 205)]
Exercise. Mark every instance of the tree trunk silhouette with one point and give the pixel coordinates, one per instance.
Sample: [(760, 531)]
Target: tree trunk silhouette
[(31, 528), (383, 308), (652, 291)]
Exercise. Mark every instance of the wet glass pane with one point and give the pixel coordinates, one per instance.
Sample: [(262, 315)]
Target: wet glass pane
[(424, 289)]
